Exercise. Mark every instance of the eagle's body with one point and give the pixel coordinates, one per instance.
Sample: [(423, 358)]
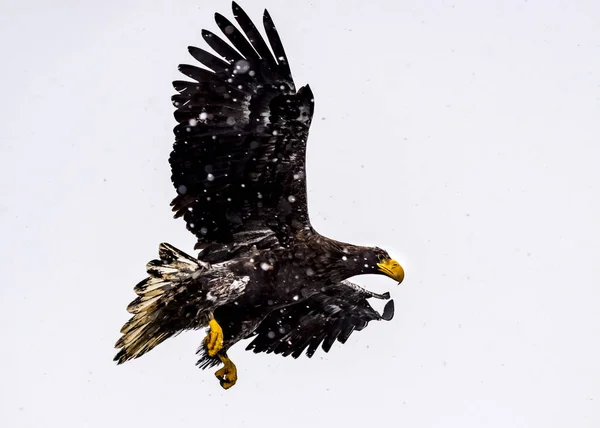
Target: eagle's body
[(238, 167)]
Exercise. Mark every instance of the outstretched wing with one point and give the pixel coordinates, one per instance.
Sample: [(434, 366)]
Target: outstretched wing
[(321, 320), (239, 153)]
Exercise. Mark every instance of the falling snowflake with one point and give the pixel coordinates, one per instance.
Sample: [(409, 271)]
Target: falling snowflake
[(242, 66)]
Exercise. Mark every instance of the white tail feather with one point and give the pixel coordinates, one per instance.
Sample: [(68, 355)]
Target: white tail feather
[(151, 323)]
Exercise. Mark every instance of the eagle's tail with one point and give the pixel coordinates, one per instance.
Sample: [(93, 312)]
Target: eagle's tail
[(154, 318)]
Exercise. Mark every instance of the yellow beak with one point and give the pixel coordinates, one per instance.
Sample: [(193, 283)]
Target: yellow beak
[(392, 269)]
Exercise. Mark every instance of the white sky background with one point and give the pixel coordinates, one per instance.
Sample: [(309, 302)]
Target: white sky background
[(461, 136)]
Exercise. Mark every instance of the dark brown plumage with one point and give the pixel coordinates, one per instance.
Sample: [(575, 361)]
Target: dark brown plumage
[(238, 165)]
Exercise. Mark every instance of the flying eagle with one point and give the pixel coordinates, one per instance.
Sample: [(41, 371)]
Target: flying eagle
[(238, 166)]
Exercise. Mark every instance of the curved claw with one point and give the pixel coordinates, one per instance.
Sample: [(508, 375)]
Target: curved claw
[(227, 374), (388, 311)]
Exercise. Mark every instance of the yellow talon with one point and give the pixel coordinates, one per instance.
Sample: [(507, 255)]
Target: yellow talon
[(214, 338), (227, 375)]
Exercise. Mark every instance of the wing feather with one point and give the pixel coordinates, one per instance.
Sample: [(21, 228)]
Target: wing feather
[(324, 318), (238, 161), (208, 59), (277, 46), (236, 37), (253, 35), (221, 47)]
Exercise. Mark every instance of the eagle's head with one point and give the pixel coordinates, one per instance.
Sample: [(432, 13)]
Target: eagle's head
[(385, 265), (372, 260)]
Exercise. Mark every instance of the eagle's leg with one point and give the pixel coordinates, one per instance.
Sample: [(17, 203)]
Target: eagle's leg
[(214, 338), (227, 374)]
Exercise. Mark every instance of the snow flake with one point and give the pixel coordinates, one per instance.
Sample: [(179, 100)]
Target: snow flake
[(310, 272), (210, 177), (271, 335), (265, 266), (242, 66), (292, 198), (182, 190), (344, 258), (203, 116), (203, 230), (193, 121)]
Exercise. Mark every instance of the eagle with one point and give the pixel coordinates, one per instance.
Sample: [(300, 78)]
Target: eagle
[(238, 166)]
